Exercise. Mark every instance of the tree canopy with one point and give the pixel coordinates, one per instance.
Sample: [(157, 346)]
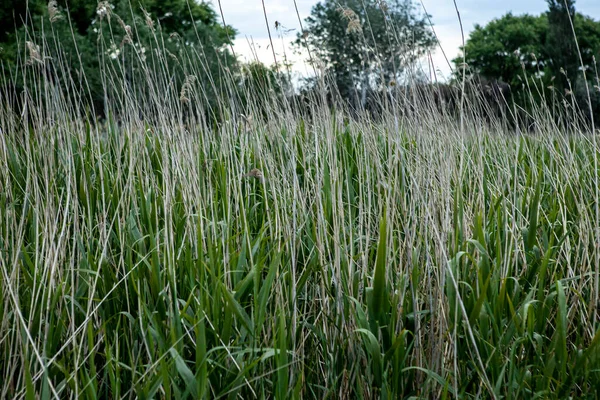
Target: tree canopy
[(561, 48), (85, 36), (364, 43), (516, 48)]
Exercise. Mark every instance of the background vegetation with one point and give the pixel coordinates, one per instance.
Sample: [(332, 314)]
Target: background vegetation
[(539, 57)]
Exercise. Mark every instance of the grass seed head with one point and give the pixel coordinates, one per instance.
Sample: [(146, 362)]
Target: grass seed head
[(34, 54), (128, 38), (103, 10), (347, 13), (186, 89), (354, 26), (255, 173), (149, 21), (248, 122), (53, 12), (384, 6)]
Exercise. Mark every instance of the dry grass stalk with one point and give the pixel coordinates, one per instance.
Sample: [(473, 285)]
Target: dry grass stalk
[(34, 54), (384, 6), (104, 9), (186, 89), (128, 38), (149, 21), (347, 13), (53, 12), (354, 25), (248, 122)]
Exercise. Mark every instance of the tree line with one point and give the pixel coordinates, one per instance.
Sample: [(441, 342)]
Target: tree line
[(549, 58), (362, 51)]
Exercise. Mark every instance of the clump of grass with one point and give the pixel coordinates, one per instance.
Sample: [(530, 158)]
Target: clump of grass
[(380, 259)]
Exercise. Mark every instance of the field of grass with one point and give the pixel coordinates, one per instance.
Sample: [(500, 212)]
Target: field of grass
[(411, 256)]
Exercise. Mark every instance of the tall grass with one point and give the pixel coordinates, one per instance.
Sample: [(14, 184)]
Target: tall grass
[(159, 254)]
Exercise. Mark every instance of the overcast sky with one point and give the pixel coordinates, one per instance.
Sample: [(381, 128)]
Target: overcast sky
[(247, 17)]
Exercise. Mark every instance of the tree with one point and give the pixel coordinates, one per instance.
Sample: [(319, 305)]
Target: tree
[(524, 51), (516, 48), (506, 48), (364, 43), (116, 37), (561, 48), (263, 88), (13, 13)]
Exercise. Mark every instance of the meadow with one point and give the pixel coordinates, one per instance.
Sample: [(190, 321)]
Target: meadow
[(157, 253)]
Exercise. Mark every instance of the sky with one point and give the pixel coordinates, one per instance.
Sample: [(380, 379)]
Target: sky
[(252, 41)]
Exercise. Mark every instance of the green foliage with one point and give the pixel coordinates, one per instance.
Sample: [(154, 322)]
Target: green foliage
[(263, 88), (13, 13), (363, 44), (528, 52), (146, 265), (507, 49), (561, 47), (114, 46)]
